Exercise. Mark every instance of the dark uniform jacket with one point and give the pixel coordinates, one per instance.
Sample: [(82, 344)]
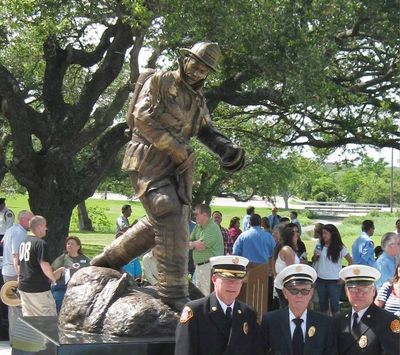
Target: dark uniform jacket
[(378, 333), (208, 331), (319, 337)]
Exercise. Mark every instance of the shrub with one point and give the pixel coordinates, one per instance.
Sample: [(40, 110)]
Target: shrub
[(321, 197), (99, 219), (309, 214)]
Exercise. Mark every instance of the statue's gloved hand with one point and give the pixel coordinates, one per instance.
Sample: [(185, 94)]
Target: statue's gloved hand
[(233, 158)]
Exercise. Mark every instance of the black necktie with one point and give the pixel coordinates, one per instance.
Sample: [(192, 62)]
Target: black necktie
[(228, 314), (354, 327), (298, 339)]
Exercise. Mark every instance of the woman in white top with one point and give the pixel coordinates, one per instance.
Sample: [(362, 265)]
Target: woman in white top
[(328, 262), (284, 255), (389, 294)]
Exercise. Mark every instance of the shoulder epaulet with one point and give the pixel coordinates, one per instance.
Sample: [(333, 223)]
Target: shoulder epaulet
[(186, 315)]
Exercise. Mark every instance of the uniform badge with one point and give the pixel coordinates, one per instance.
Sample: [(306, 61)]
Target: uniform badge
[(395, 326), (235, 260), (356, 272), (245, 328), (186, 315), (239, 311), (214, 309), (311, 331), (363, 342), (299, 268)]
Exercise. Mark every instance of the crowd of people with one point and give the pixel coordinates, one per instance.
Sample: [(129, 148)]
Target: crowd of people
[(371, 282)]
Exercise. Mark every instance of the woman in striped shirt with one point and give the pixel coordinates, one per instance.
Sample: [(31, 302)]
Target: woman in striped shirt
[(389, 294)]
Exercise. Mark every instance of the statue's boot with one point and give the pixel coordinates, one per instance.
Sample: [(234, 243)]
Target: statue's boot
[(177, 304), (172, 255), (134, 242)]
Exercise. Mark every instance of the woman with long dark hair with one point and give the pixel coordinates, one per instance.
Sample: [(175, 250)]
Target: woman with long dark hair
[(284, 255), (328, 263)]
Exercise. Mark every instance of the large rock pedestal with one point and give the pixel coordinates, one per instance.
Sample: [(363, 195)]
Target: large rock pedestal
[(103, 312), (104, 301)]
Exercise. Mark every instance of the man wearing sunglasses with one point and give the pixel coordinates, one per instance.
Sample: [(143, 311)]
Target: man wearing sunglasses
[(366, 328), (296, 330)]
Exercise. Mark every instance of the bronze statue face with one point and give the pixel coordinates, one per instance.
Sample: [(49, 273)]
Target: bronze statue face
[(195, 71)]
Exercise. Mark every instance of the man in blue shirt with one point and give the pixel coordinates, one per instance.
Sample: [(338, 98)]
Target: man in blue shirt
[(274, 218), (386, 263), (246, 219), (363, 246), (255, 244)]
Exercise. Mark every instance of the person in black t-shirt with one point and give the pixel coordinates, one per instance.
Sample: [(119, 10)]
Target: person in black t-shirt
[(35, 273)]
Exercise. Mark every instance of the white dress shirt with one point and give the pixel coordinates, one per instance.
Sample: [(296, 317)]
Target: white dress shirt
[(293, 325), (360, 315), (224, 306)]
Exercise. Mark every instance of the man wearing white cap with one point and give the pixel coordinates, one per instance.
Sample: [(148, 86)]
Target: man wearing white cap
[(219, 324), (296, 330), (366, 328)]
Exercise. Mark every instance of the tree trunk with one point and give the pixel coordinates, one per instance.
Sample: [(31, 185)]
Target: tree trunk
[(57, 213), (286, 200), (85, 223)]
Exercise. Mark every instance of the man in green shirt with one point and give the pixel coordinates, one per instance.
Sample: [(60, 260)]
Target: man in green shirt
[(206, 241)]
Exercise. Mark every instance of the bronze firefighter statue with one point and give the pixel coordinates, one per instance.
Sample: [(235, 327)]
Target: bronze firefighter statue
[(167, 109)]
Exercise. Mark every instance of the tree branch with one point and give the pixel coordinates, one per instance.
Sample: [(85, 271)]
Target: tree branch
[(104, 75), (101, 160), (88, 59), (19, 115), (245, 98), (102, 118), (361, 87), (5, 139), (56, 67), (354, 31), (236, 196), (134, 56)]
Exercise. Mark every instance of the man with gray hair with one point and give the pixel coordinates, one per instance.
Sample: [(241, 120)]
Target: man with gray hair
[(386, 263), (11, 242), (206, 241)]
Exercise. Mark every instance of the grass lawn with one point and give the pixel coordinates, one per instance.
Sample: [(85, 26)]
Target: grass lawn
[(350, 229), (93, 242)]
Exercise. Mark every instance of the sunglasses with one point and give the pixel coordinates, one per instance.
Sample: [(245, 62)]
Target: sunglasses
[(296, 291), (360, 289)]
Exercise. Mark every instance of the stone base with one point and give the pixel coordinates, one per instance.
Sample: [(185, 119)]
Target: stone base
[(41, 335)]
